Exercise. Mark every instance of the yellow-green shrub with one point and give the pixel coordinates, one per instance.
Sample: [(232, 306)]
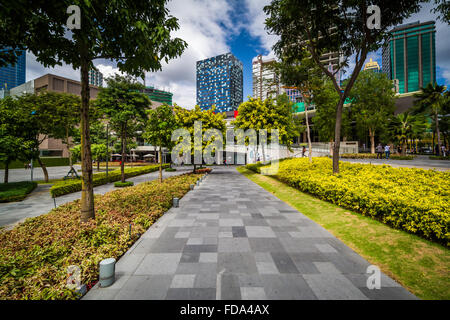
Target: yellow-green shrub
[(34, 256), (411, 199)]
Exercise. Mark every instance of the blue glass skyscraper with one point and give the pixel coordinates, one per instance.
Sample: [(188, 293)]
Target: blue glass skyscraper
[(13, 75), (220, 83)]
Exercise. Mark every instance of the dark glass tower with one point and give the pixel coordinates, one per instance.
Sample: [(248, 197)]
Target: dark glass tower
[(410, 55), (13, 75), (220, 83)]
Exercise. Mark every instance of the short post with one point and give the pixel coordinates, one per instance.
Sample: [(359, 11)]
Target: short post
[(175, 202), (191, 187), (54, 201), (107, 272)]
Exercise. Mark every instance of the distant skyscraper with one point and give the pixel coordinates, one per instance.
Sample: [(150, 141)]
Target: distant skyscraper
[(410, 56), (95, 78), (265, 81), (372, 65), (13, 75), (220, 83)]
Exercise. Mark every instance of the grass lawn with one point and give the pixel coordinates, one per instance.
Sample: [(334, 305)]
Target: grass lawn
[(421, 266), (15, 191)]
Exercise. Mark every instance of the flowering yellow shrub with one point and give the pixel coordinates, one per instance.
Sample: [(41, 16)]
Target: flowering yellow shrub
[(414, 200)]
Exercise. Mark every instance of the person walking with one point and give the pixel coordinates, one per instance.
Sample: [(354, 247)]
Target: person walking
[(387, 150), (443, 151), (379, 150), (303, 151)]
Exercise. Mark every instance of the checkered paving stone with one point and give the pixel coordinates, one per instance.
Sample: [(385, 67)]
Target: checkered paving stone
[(231, 239)]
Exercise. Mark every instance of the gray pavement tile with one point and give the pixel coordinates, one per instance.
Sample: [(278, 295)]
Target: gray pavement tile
[(145, 288), (191, 294), (159, 263), (287, 287), (253, 293), (265, 244), (333, 287), (183, 281), (284, 262), (237, 262), (233, 245)]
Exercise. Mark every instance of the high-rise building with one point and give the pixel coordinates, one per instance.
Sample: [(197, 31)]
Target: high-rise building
[(220, 83), (372, 66), (266, 83), (13, 75), (409, 56), (95, 78)]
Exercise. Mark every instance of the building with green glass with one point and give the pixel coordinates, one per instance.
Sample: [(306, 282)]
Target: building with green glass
[(409, 56), (158, 95)]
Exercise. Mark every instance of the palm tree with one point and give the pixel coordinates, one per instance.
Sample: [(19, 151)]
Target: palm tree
[(401, 128), (430, 101)]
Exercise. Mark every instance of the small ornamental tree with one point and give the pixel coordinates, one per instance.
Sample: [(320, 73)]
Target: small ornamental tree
[(136, 34), (99, 152), (351, 28), (159, 129), (16, 140), (373, 102), (186, 119), (124, 106)]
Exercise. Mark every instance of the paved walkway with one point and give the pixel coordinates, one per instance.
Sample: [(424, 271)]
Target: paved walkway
[(231, 239), (40, 201), (420, 161)]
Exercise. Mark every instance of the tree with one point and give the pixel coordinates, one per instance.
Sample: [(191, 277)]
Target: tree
[(137, 34), (334, 26), (373, 101), (99, 152), (124, 105), (63, 110), (430, 101), (303, 74), (209, 120), (325, 99), (405, 126), (443, 8), (16, 142), (267, 115), (159, 129)]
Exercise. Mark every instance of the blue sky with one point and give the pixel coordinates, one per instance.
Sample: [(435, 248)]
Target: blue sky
[(213, 27)]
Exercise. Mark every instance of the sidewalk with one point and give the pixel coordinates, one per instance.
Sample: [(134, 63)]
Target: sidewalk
[(231, 239), (40, 201)]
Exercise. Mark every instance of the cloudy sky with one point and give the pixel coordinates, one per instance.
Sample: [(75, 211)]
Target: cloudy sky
[(213, 27)]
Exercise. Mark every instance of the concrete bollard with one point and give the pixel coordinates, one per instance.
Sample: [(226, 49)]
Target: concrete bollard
[(107, 272), (175, 202)]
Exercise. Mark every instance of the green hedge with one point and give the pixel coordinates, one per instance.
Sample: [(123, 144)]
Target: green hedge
[(373, 156), (120, 184), (70, 186), (16, 191), (439, 158), (49, 162), (255, 167), (411, 199)]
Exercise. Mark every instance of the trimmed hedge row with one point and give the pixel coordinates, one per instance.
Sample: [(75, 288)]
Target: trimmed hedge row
[(49, 162), (70, 186), (34, 256), (439, 158), (120, 184), (16, 191), (373, 156), (411, 199)]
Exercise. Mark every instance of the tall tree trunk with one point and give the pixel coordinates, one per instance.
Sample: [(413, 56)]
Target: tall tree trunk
[(308, 135), (160, 164), (404, 146), (337, 135), (263, 153), (124, 152), (87, 189), (98, 165), (438, 133), (44, 168), (372, 140), (6, 172)]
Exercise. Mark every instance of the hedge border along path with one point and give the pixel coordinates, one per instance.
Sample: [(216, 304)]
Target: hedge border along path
[(374, 156), (34, 256), (16, 191), (70, 186), (414, 200)]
